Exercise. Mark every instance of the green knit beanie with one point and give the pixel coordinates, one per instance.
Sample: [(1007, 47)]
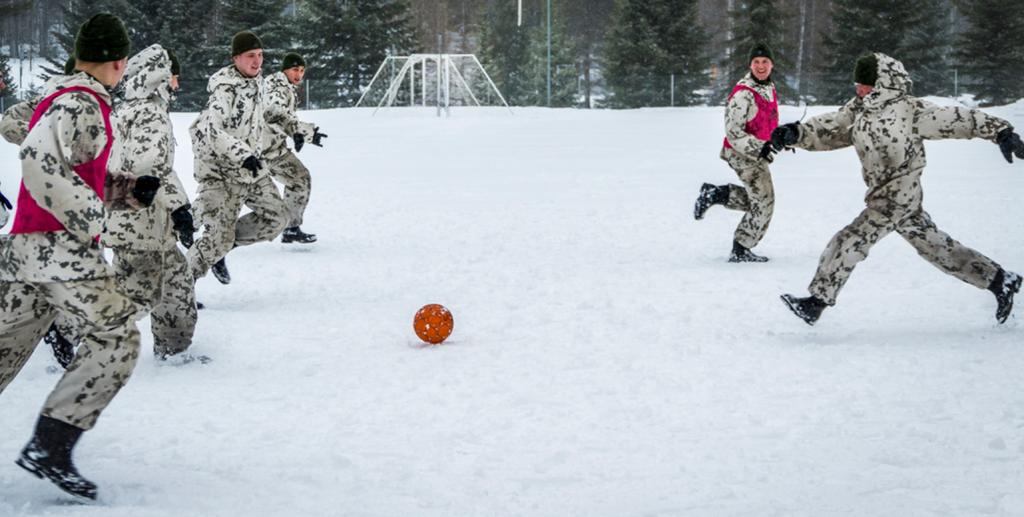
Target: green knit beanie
[(761, 50), (292, 60), (175, 64), (243, 42), (102, 38), (69, 66), (866, 72)]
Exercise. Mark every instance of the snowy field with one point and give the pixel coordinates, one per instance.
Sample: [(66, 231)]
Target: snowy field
[(606, 360)]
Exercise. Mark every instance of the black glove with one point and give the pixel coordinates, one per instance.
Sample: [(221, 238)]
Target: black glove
[(785, 135), (253, 164), (299, 141), (317, 136), (1010, 144), (184, 225), (145, 189), (768, 152), (4, 201)]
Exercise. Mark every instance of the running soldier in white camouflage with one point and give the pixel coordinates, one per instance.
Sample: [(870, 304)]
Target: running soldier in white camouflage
[(227, 140), (51, 262), (888, 127), (150, 267), (284, 125), (750, 116)]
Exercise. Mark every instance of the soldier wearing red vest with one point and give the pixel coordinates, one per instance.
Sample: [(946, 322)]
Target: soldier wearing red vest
[(52, 261), (751, 115)]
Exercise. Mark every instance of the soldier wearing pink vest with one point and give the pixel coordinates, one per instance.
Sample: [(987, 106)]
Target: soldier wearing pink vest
[(52, 261), (752, 113)]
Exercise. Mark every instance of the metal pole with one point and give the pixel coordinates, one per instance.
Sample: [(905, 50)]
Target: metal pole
[(956, 83), (672, 94), (549, 53), (412, 83), (440, 42), (307, 94)]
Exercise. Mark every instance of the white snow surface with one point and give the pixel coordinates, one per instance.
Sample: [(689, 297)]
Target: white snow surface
[(606, 359)]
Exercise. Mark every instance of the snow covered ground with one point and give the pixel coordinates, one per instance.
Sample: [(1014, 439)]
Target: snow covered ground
[(605, 360)]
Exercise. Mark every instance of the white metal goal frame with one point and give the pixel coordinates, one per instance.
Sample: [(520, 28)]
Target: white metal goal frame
[(445, 67)]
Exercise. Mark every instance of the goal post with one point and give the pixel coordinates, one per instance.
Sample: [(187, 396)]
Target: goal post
[(447, 72)]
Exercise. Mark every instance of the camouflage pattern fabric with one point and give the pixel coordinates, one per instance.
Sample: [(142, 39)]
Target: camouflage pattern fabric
[(757, 195), (217, 207), (162, 281), (105, 358), (70, 133), (146, 147), (230, 127), (295, 178), (14, 125), (279, 112), (888, 128)]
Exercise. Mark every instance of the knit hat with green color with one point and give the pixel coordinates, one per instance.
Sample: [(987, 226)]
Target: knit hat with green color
[(245, 41), (292, 60), (101, 39)]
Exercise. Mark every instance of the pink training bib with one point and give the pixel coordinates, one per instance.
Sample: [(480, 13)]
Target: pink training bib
[(767, 118)]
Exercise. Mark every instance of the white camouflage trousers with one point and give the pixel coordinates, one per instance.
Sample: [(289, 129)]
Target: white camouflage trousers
[(105, 358)]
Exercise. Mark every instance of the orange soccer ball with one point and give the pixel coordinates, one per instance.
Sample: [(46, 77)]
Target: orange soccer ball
[(433, 323)]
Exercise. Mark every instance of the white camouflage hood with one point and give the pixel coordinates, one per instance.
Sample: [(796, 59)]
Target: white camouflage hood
[(148, 74), (892, 84)]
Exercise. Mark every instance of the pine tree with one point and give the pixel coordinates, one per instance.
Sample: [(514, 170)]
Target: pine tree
[(564, 72), (345, 41), (8, 90), (757, 21), (916, 32), (505, 52), (650, 41), (990, 54), (76, 12)]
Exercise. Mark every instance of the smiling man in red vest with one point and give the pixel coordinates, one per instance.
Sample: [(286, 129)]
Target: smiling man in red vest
[(750, 116), (52, 260)]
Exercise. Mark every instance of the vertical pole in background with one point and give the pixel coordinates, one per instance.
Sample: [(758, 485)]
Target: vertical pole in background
[(956, 83), (672, 91), (307, 95), (520, 13), (423, 82), (412, 83), (439, 43), (549, 53)]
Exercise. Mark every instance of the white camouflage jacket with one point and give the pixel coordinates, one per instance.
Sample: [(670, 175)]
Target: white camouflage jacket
[(279, 113), (740, 110), (146, 148), (14, 125), (888, 128), (230, 127), (69, 134)]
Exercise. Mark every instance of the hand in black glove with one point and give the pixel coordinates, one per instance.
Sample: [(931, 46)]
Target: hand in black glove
[(299, 141), (184, 225), (253, 164), (785, 135), (317, 136), (145, 189), (768, 152), (1010, 144), (5, 202)]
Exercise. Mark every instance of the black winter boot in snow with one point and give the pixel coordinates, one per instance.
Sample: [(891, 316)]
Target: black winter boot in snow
[(295, 234), (1004, 286), (741, 254), (709, 196), (808, 309), (48, 455), (63, 350), (220, 272)]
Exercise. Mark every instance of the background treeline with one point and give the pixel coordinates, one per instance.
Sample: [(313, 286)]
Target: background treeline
[(614, 53)]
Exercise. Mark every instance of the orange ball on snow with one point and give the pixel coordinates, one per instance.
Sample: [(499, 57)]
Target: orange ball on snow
[(433, 323)]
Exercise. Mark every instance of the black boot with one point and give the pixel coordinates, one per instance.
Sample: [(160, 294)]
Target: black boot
[(741, 254), (295, 234), (48, 455), (808, 309), (220, 272), (709, 196), (63, 350), (1004, 286)]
